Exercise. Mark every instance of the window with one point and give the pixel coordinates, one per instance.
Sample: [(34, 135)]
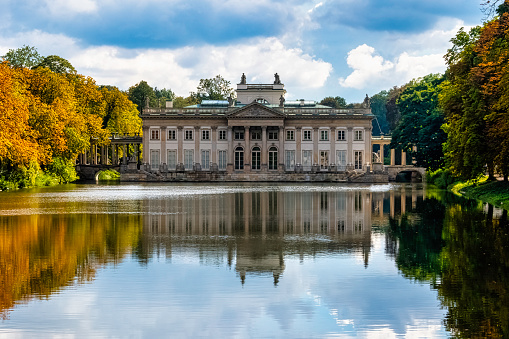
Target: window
[(272, 134), (172, 134), (188, 135), (358, 136), (290, 160), (222, 134), (324, 159), (306, 134), (239, 134), (205, 134), (188, 159), (172, 159), (239, 158), (255, 158), (290, 135), (222, 160), (256, 135), (273, 158), (341, 160), (154, 160), (358, 160), (154, 134), (324, 135), (307, 160), (341, 135), (205, 159)]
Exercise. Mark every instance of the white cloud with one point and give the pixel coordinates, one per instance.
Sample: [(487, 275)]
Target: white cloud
[(371, 70), (181, 69), (66, 7)]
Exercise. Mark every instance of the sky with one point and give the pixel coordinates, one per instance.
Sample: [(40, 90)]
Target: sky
[(319, 48)]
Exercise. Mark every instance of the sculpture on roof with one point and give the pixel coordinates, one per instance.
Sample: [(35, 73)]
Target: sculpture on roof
[(281, 101), (277, 81), (367, 102), (230, 101), (243, 79)]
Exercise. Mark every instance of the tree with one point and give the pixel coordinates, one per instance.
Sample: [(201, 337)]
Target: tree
[(334, 102), (180, 102), (214, 89), (24, 57), (139, 94), (57, 64), (163, 95), (421, 122), (379, 109), (392, 112), (121, 113)]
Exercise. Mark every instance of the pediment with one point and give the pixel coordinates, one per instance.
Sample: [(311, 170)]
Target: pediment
[(256, 111)]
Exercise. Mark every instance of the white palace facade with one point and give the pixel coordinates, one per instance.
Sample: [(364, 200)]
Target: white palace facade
[(258, 136)]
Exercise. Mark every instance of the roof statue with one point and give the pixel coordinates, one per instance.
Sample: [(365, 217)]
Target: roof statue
[(282, 101), (367, 102), (243, 79), (277, 81), (147, 102), (230, 101)]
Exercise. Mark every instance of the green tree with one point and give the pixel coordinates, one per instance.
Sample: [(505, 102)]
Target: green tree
[(392, 112), (379, 109), (57, 64), (163, 95), (24, 57), (334, 102), (139, 94), (421, 121), (181, 102), (216, 88)]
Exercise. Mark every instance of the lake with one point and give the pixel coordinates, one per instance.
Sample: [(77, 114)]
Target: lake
[(251, 261)]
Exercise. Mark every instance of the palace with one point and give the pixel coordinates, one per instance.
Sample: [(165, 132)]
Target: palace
[(258, 136)]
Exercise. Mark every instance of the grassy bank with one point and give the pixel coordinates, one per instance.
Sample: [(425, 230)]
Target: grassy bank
[(493, 192)]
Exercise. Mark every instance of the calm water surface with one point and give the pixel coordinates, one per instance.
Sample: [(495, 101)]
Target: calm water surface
[(251, 261)]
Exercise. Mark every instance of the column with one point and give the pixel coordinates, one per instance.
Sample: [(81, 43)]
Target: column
[(367, 146), (393, 157), (332, 136), (349, 148), (214, 145), (281, 151), (180, 142), (247, 150), (315, 146), (197, 137), (163, 152), (145, 144), (298, 142), (230, 148), (264, 161), (403, 158)]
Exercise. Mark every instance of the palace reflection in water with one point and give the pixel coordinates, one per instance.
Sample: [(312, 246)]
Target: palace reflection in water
[(269, 224)]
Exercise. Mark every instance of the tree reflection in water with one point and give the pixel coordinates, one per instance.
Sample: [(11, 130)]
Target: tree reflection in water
[(463, 251)]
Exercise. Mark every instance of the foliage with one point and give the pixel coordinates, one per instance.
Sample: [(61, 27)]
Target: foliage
[(334, 102), (180, 102), (421, 121), (493, 192), (379, 109), (49, 117), (442, 178), (392, 112), (163, 95), (140, 93), (24, 57), (216, 88), (109, 175), (57, 64), (475, 99)]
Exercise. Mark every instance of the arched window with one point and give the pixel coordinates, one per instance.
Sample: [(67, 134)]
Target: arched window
[(239, 158), (273, 158), (255, 158)]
